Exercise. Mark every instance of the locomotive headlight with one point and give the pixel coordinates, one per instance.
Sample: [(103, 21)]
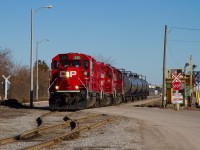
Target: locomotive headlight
[(85, 73), (76, 87), (56, 87), (67, 74)]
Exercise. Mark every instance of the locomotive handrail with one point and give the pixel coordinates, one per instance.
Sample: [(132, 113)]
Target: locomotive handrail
[(52, 84), (82, 83), (84, 86)]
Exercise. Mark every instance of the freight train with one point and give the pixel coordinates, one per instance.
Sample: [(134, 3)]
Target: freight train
[(79, 81)]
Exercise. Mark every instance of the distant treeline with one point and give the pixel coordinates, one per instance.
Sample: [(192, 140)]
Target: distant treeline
[(20, 78)]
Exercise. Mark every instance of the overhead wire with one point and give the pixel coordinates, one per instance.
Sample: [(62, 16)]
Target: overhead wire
[(172, 56), (181, 28), (183, 41)]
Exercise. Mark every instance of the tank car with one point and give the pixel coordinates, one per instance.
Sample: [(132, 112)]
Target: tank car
[(134, 86)]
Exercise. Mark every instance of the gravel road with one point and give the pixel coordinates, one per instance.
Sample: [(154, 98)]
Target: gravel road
[(136, 128), (162, 128)]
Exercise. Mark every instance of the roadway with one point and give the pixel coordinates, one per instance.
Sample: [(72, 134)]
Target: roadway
[(160, 128)]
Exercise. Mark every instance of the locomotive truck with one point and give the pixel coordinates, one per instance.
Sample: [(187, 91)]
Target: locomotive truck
[(78, 81)]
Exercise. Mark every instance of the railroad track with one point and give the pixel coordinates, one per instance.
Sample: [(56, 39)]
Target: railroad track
[(74, 131), (40, 119)]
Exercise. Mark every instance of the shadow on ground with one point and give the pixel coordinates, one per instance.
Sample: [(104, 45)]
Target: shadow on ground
[(14, 103)]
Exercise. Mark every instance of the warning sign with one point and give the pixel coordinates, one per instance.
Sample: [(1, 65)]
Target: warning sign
[(177, 98)]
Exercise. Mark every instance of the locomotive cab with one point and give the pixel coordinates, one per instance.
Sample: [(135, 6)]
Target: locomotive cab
[(72, 78), (78, 81)]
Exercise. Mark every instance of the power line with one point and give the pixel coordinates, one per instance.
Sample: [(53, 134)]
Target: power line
[(184, 41), (193, 29), (182, 28), (172, 56)]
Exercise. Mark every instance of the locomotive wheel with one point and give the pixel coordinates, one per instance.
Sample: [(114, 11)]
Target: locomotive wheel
[(53, 107), (97, 104), (90, 102), (133, 99), (53, 103), (138, 98), (125, 99), (129, 99), (117, 100), (107, 100)]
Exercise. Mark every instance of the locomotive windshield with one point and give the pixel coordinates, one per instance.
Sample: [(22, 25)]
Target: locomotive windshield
[(71, 63), (75, 63), (66, 62)]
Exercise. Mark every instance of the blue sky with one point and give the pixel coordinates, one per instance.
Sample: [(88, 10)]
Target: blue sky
[(131, 32)]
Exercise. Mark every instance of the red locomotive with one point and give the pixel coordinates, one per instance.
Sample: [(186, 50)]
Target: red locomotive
[(79, 81)]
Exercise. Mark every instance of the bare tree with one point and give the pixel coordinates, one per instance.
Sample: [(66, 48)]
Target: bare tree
[(19, 88), (107, 60), (43, 72), (6, 65)]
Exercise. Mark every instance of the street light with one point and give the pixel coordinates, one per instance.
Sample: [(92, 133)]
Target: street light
[(193, 67), (37, 86), (33, 12), (186, 65)]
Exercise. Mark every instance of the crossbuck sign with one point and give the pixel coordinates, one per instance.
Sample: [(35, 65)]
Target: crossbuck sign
[(6, 85), (176, 83)]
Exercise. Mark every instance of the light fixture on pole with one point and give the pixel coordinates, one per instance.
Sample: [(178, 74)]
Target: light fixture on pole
[(186, 65), (37, 85), (193, 67), (33, 12)]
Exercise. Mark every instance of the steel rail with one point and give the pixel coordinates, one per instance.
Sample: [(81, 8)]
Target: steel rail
[(69, 135), (42, 129), (40, 119), (8, 140)]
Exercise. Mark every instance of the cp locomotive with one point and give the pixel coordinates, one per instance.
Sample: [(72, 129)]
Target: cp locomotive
[(78, 81)]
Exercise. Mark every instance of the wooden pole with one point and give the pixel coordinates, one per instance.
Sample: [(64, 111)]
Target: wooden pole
[(191, 78)]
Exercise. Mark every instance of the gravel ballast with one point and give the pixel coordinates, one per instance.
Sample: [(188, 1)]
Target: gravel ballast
[(122, 133)]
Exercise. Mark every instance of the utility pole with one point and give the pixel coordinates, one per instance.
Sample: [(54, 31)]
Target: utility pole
[(164, 67), (191, 79), (184, 94)]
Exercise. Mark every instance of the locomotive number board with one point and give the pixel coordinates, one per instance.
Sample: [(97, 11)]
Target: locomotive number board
[(77, 57)]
